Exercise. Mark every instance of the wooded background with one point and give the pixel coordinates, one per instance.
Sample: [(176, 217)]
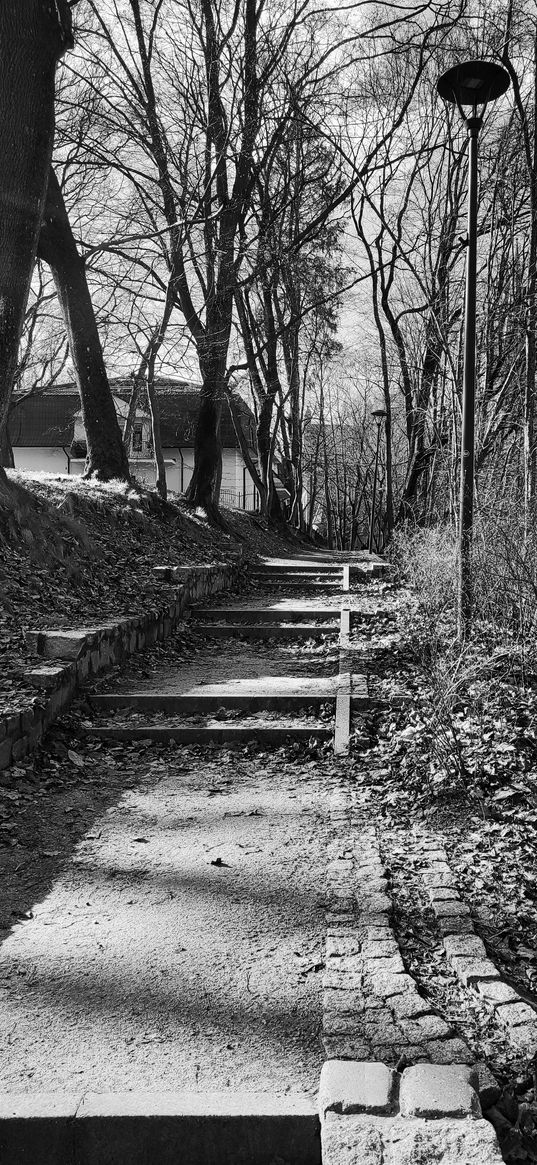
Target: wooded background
[(271, 197)]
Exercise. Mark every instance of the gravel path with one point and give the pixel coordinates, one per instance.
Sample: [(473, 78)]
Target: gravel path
[(181, 947), (234, 664)]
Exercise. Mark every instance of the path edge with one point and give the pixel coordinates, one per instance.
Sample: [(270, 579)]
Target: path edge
[(65, 659)]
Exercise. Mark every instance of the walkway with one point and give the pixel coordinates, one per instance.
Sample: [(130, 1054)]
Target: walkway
[(225, 927), (182, 946)]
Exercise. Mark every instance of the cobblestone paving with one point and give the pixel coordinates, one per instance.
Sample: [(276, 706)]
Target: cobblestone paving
[(372, 1009)]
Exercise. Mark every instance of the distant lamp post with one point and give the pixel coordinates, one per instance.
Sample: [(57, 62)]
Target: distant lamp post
[(474, 84), (379, 415)]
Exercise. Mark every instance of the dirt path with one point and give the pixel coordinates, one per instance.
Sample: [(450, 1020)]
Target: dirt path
[(181, 947)]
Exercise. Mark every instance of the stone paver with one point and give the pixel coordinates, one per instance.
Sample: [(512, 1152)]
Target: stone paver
[(369, 1001), (434, 1117), (434, 1090), (348, 1086), (367, 1140)]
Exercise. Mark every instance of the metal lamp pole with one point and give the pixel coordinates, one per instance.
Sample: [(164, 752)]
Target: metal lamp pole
[(379, 415), (472, 83)]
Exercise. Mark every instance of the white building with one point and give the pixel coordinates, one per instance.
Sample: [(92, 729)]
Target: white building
[(47, 434)]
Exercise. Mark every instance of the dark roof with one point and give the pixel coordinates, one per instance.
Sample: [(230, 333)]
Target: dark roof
[(47, 418)]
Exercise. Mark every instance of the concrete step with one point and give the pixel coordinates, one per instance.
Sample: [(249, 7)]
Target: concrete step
[(275, 614), (319, 567), (172, 703), (325, 557), (303, 564), (303, 576), (277, 572), (214, 732), (204, 704), (310, 582), (267, 630), (300, 584)]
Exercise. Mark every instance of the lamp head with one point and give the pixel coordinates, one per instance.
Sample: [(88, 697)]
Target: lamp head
[(378, 414), (473, 83)]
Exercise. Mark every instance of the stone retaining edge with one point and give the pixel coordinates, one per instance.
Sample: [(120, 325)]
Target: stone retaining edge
[(467, 955), (372, 1009), (75, 656), (142, 1128), (371, 1114)]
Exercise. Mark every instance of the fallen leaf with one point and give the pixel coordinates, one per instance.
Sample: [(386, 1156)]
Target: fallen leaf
[(76, 758)]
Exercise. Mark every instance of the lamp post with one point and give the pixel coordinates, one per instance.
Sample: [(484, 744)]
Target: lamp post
[(379, 415), (474, 84)]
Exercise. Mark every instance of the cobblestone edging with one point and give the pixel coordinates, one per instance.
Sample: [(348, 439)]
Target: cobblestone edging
[(466, 953), (372, 1009), (376, 1116), (75, 655)]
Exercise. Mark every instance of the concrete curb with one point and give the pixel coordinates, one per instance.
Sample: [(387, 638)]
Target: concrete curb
[(146, 1128)]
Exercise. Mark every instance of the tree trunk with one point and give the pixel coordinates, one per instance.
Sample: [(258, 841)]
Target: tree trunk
[(204, 484), (106, 456), (243, 445), (6, 450), (146, 373), (128, 427), (33, 35), (161, 483)]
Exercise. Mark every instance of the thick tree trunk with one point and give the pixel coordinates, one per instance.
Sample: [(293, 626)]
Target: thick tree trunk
[(4, 484), (33, 35), (106, 456), (6, 450), (204, 485)]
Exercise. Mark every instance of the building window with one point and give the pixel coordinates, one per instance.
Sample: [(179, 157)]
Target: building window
[(137, 437)]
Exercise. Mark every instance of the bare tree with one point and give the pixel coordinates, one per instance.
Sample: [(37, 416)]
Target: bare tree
[(33, 35), (106, 457)]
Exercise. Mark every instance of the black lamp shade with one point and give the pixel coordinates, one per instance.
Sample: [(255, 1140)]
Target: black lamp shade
[(473, 83)]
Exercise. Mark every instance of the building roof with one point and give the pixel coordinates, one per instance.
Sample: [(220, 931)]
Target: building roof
[(47, 418)]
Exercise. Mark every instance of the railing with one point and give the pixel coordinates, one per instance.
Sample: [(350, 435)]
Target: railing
[(248, 501)]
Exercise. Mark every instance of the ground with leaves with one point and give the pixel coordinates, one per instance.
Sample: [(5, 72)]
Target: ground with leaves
[(456, 756)]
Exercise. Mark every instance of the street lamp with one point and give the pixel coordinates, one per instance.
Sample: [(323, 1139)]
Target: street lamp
[(379, 415), (472, 83)]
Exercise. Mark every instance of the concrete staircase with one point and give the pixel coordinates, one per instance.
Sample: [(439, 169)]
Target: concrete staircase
[(253, 698)]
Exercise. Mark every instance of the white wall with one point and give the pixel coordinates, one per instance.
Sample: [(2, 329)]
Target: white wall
[(232, 485), (55, 461), (173, 471), (40, 460), (237, 485)]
